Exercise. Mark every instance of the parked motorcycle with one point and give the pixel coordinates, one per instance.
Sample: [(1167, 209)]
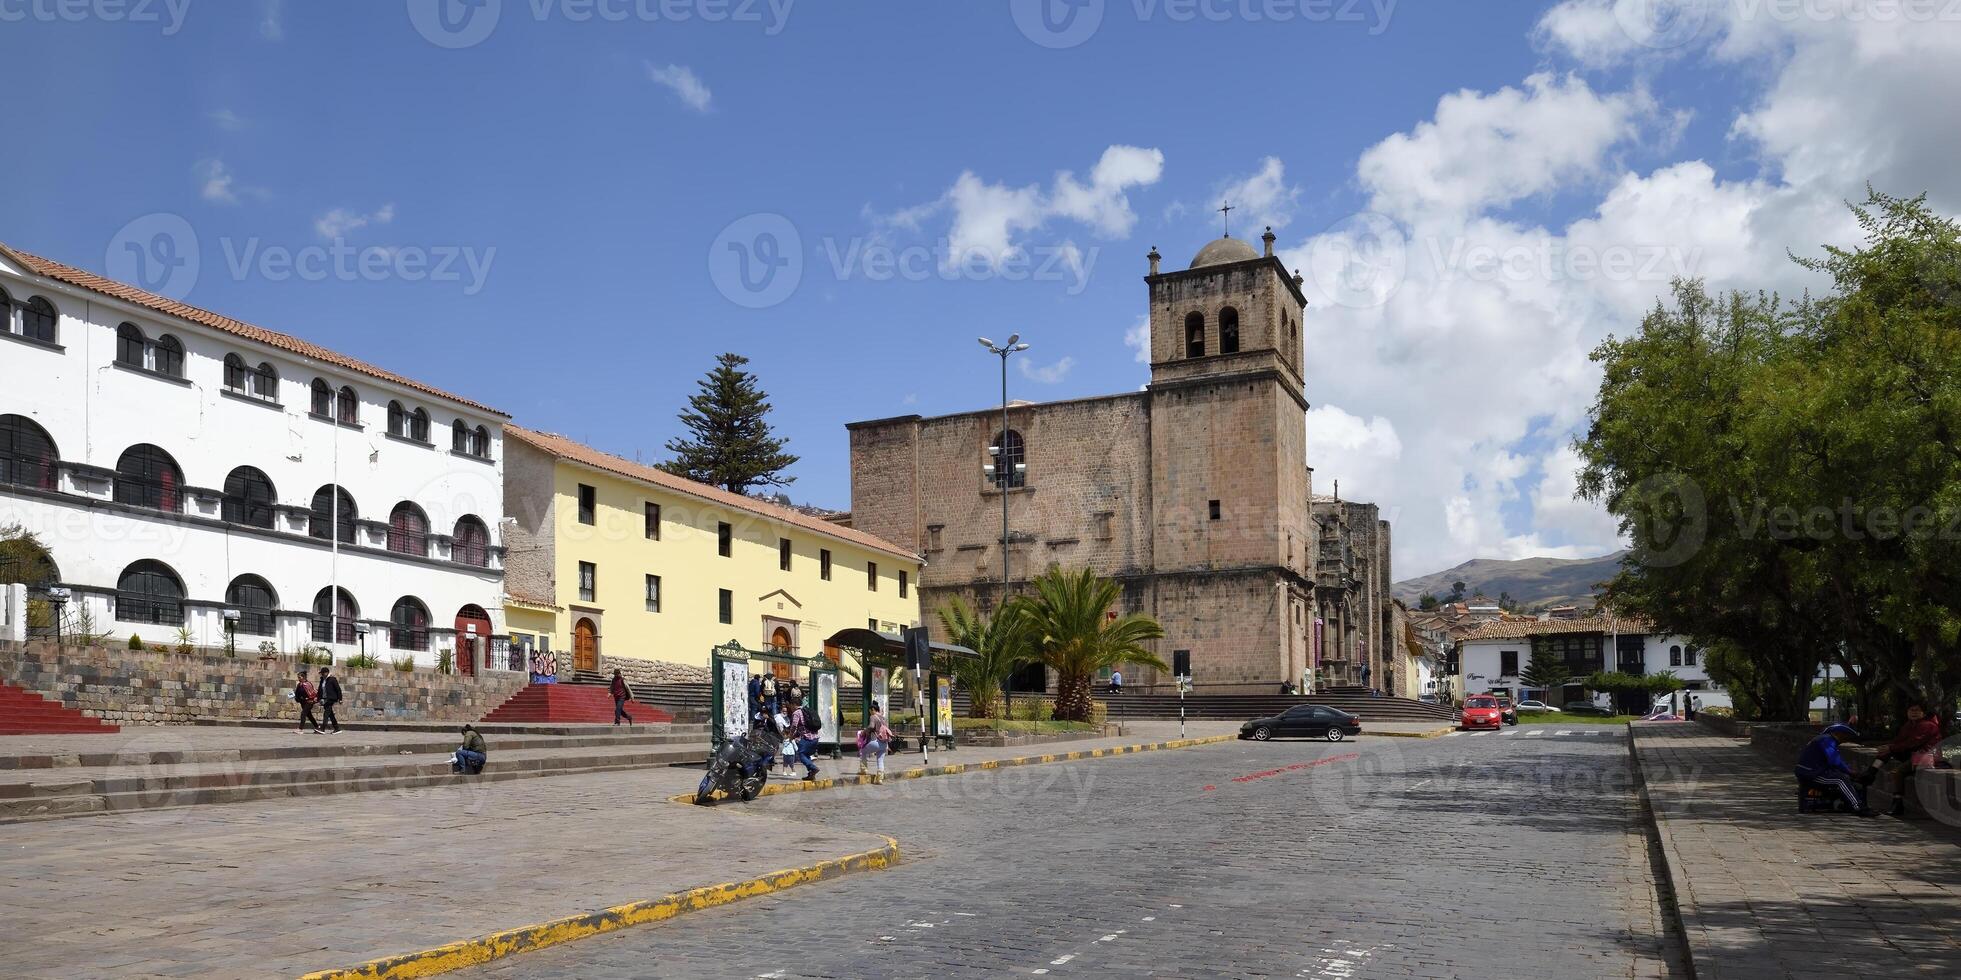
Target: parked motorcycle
[(741, 766)]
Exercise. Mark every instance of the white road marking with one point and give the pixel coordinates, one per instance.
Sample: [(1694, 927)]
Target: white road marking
[(1064, 958), (1150, 918), (1422, 784)]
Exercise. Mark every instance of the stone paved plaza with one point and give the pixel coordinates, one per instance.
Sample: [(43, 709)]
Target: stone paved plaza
[(1471, 856)]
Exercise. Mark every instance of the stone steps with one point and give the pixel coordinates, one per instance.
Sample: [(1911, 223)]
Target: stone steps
[(570, 703), (65, 793), (324, 747), (23, 712)]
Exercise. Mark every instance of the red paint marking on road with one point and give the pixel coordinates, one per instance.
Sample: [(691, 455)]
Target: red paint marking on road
[(1209, 789), (1344, 757)]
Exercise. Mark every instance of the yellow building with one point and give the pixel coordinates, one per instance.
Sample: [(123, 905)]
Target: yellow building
[(605, 557)]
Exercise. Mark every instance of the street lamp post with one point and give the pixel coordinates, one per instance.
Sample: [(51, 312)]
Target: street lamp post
[(1001, 472)]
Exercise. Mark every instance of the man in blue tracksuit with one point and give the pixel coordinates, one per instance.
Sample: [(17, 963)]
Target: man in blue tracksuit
[(1820, 763)]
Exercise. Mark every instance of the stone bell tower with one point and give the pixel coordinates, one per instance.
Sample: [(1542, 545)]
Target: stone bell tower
[(1230, 514)]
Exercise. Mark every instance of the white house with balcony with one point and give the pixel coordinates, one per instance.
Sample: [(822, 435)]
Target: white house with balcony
[(194, 478), (1493, 657)]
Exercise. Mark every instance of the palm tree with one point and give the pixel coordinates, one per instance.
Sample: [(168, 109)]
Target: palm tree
[(1001, 643), (1072, 631)]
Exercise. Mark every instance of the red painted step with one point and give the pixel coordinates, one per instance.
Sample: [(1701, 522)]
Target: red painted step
[(22, 712), (575, 703)]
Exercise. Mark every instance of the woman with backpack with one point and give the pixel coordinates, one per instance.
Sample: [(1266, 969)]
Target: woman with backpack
[(802, 743), (873, 740)]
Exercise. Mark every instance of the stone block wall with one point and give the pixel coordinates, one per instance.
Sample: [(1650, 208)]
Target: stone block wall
[(152, 687)]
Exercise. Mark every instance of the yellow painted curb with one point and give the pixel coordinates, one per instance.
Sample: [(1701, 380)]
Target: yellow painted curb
[(497, 945), (801, 786)]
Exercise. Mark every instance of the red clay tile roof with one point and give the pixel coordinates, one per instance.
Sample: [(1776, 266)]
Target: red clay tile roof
[(556, 445), (271, 338), (1603, 623), (529, 600)]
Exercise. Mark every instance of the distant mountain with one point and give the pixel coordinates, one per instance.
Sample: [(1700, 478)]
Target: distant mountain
[(1535, 583)]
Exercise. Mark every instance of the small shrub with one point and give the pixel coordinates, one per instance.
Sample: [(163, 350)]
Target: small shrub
[(446, 661), (184, 645), (316, 655), (267, 648), (362, 661), (404, 663), (135, 642), (1718, 712)]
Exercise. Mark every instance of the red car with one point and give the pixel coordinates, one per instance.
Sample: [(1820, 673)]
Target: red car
[(1481, 711)]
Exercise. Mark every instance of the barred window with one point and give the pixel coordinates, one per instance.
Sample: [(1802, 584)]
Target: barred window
[(255, 601), (472, 542), (147, 477), (334, 613), (27, 454), (149, 592), (249, 497), (408, 530), (333, 507), (408, 625)]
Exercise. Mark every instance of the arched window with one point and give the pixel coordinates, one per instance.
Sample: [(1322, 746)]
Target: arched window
[(37, 320), (1195, 335), (27, 455), (249, 497), (472, 544), (480, 442), (1228, 331), (255, 601), (323, 398), (168, 356), (26, 562), (332, 507), (265, 382), (1674, 656), (408, 624), (235, 373), (6, 312), (334, 613), (147, 477), (408, 530), (149, 592), (1007, 460), (350, 406), (398, 420), (459, 437), (419, 426), (129, 345)]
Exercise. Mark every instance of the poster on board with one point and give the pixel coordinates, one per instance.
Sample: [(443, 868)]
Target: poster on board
[(881, 693), (735, 698), (943, 701), (827, 706)]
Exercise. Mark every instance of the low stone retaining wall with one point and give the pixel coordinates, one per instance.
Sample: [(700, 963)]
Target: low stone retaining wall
[(150, 687)]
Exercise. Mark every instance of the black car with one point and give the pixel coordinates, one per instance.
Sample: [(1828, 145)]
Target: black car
[(1303, 721), (1585, 708)]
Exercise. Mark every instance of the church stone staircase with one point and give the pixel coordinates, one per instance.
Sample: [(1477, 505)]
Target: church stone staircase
[(23, 712)]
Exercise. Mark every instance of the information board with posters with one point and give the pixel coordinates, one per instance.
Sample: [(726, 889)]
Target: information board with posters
[(881, 692), (827, 705), (735, 698), (943, 700)]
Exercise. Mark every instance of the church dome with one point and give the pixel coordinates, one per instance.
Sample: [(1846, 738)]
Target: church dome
[(1223, 250)]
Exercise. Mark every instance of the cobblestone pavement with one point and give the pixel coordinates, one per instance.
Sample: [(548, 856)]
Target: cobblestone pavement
[(1765, 892), (1481, 855)]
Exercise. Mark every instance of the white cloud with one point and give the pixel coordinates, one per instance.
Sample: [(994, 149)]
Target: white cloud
[(1051, 374), (1261, 199), (1489, 150), (338, 222), (215, 182), (683, 82), (226, 119), (991, 220), (1138, 339), (272, 20)]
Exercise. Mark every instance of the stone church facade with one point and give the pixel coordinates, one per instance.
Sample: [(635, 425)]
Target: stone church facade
[(1194, 493)]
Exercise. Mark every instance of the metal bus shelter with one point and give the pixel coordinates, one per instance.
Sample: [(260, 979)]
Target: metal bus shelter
[(729, 709), (880, 654)]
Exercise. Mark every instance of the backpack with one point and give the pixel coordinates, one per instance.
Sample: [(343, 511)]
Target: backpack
[(812, 724)]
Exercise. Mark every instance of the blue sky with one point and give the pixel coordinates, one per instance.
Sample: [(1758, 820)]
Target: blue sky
[(597, 170)]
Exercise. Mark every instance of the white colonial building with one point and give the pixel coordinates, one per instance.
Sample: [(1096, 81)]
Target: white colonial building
[(1493, 656), (199, 479)]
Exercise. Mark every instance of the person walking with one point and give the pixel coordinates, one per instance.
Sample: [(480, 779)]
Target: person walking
[(873, 741), (804, 727), (1116, 682), (471, 755), (329, 697), (307, 697), (1690, 707), (621, 695)]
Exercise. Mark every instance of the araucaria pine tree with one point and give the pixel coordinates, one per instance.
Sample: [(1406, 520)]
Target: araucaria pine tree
[(731, 445)]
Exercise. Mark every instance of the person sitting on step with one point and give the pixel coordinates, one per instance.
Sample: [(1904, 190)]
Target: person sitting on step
[(1821, 765), (471, 755)]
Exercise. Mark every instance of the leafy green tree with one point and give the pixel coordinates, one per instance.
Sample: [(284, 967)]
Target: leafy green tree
[(1457, 592), (1072, 632), (1001, 643), (1545, 671), (1428, 602), (731, 444), (1785, 473)]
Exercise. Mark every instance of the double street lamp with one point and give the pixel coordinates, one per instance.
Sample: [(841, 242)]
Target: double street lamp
[(1001, 469)]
